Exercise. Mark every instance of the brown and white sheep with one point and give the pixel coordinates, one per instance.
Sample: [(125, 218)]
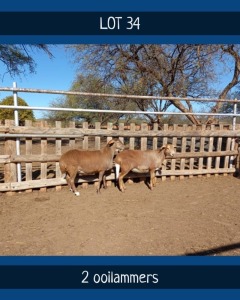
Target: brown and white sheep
[(141, 162), (88, 162)]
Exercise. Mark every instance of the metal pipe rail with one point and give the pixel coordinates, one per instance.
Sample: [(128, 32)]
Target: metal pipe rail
[(157, 97), (117, 111)]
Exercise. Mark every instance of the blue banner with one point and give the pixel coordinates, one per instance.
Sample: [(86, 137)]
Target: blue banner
[(121, 23), (118, 277)]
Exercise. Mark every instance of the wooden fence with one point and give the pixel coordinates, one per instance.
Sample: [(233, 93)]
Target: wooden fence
[(201, 150)]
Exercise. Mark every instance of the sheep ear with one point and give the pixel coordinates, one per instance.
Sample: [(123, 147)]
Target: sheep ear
[(163, 147), (110, 143)]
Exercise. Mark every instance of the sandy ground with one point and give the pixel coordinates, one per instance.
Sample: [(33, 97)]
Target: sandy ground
[(198, 216)]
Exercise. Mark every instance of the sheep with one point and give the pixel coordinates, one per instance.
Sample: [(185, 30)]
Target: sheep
[(141, 162), (89, 162)]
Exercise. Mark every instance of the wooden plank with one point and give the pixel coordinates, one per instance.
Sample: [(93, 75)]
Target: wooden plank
[(121, 132), (97, 138), (72, 141), (192, 149), (86, 144), (5, 159), (85, 139), (210, 149), (6, 187), (43, 164), (35, 158), (227, 158), (219, 148), (198, 172), (132, 139), (238, 163), (124, 133), (10, 169), (217, 160), (131, 145), (155, 139), (205, 154), (165, 137), (165, 141), (55, 158), (183, 150), (127, 133), (144, 129), (4, 129), (24, 185), (173, 161), (28, 144), (232, 158), (202, 144), (109, 127), (43, 183), (58, 151)]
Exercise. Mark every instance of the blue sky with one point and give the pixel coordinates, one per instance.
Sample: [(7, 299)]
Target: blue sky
[(57, 73)]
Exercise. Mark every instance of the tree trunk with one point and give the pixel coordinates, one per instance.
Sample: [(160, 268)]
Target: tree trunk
[(235, 79)]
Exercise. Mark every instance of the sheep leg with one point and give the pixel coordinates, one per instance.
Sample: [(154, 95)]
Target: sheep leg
[(121, 184), (104, 182), (72, 177), (152, 179), (117, 171), (68, 182), (100, 179)]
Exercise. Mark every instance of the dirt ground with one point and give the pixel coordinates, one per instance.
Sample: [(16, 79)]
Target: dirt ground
[(198, 216)]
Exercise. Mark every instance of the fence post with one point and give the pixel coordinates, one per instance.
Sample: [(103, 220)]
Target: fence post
[(233, 128), (10, 171), (29, 151), (16, 123), (238, 160), (235, 112), (58, 151)]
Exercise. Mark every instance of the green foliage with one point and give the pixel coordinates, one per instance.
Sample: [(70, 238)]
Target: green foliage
[(17, 59), (8, 114), (93, 84)]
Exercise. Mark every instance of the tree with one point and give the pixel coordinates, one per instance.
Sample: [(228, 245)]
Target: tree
[(8, 114), (92, 84), (231, 52), (17, 59), (178, 70), (228, 108)]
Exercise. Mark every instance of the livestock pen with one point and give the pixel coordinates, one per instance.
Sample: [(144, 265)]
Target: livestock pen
[(29, 155), (197, 216)]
